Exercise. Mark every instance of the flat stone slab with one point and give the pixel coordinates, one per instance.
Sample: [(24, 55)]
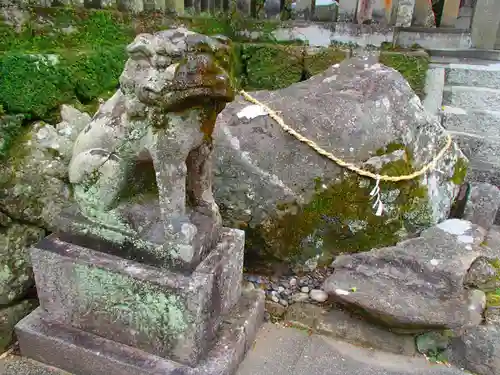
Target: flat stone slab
[(289, 351), (473, 75), (82, 353), (471, 97)]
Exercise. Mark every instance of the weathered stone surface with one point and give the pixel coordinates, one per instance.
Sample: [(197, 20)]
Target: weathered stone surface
[(16, 276), (481, 274), (161, 312), (300, 205), (477, 350), (492, 242), (9, 316), (33, 184), (417, 284), (275, 309), (165, 74), (483, 203), (79, 352), (342, 325)]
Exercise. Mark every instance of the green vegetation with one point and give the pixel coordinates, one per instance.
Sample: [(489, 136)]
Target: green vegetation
[(492, 291), (75, 56), (413, 67), (340, 218), (271, 66)]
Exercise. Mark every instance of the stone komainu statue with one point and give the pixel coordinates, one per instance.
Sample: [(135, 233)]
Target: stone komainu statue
[(173, 86)]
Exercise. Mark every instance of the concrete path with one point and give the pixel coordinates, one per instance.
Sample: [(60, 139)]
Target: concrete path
[(465, 95), (289, 351)]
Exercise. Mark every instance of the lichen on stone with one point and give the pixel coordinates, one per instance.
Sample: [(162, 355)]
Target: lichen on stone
[(139, 305)]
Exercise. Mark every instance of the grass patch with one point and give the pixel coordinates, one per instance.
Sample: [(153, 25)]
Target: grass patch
[(56, 29), (412, 67), (271, 66), (36, 85), (318, 60)]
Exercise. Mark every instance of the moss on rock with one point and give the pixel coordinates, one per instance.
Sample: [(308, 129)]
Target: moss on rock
[(15, 268), (459, 171), (9, 317), (412, 67), (36, 85), (10, 129), (340, 217)]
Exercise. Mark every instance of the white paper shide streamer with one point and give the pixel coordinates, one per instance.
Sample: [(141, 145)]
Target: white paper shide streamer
[(377, 205)]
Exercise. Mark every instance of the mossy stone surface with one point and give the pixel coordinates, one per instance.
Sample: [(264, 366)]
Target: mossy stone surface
[(9, 317), (340, 217), (15, 267)]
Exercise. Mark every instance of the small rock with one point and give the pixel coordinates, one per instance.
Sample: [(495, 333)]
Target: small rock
[(275, 309), (300, 297), (248, 286), (293, 282), (274, 298), (284, 302), (481, 274), (254, 279), (318, 295), (304, 289), (281, 289), (492, 314)]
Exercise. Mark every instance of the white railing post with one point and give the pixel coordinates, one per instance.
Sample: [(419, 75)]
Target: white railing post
[(485, 23), (405, 13)]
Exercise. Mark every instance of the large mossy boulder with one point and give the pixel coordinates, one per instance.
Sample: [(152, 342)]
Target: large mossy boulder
[(296, 205), (33, 179)]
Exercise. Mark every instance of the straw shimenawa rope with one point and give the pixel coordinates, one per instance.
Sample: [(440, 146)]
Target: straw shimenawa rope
[(341, 162)]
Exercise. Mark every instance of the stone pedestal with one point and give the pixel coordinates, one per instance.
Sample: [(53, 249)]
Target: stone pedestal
[(103, 314)]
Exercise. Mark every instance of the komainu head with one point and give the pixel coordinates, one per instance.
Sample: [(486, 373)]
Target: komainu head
[(174, 70)]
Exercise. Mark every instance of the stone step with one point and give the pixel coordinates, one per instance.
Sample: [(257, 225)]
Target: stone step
[(478, 148), (467, 97), (468, 53), (481, 171), (481, 122), (474, 75)]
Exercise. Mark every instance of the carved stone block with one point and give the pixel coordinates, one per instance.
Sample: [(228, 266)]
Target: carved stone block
[(171, 315)]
